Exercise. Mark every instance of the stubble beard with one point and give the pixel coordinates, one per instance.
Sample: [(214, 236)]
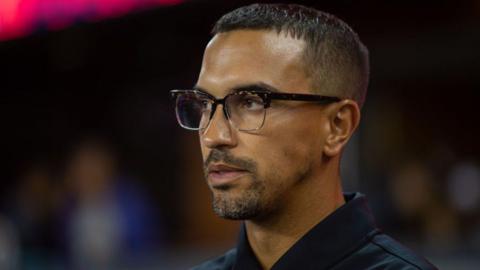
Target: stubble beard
[(254, 202), (246, 204)]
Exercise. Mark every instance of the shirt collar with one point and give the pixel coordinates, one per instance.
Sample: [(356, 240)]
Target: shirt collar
[(336, 236)]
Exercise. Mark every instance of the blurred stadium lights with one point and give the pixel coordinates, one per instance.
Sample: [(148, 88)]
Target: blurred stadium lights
[(22, 17)]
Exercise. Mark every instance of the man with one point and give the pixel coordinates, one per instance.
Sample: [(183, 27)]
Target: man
[(277, 99)]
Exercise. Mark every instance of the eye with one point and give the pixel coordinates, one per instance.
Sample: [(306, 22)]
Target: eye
[(207, 105), (203, 102), (252, 102)]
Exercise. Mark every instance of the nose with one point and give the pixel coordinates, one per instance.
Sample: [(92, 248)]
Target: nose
[(219, 132)]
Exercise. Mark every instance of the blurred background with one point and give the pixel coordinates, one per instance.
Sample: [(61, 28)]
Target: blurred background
[(96, 174)]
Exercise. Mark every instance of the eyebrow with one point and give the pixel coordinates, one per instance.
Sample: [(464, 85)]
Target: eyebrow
[(259, 86)]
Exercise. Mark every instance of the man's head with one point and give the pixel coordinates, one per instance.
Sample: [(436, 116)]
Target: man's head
[(334, 58), (286, 49)]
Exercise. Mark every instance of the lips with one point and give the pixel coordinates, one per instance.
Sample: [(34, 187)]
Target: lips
[(222, 174)]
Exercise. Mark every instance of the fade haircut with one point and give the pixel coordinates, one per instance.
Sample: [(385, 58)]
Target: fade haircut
[(335, 58)]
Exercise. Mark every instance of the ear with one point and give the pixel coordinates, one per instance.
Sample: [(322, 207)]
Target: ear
[(343, 120)]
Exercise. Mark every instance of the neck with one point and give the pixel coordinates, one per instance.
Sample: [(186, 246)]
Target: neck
[(312, 200)]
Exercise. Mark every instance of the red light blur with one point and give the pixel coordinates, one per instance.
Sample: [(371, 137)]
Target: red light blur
[(20, 17)]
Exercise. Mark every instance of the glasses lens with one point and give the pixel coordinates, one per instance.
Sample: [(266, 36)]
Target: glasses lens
[(193, 110), (246, 110)]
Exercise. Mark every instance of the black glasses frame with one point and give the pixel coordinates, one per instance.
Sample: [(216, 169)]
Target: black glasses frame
[(266, 96)]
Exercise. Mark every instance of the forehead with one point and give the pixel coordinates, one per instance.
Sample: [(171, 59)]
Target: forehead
[(243, 57)]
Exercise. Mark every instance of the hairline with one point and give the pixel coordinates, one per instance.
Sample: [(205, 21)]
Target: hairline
[(308, 66), (348, 77)]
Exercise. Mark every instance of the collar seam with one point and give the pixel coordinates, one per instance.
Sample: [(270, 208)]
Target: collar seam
[(365, 240)]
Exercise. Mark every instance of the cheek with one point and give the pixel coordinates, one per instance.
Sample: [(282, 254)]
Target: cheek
[(286, 151), (203, 149), (293, 155)]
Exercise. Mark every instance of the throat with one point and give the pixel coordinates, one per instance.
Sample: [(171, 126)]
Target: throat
[(272, 237), (267, 246)]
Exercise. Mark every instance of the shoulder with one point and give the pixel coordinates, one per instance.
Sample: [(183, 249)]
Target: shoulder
[(401, 255), (383, 252), (225, 261)]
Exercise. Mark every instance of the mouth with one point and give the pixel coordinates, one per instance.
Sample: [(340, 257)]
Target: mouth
[(221, 175)]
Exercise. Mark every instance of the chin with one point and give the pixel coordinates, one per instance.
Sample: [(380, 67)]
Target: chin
[(236, 205)]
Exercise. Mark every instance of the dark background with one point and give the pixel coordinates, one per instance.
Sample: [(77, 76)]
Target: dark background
[(110, 80)]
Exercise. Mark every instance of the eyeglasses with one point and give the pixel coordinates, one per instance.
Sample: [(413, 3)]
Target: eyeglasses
[(245, 109)]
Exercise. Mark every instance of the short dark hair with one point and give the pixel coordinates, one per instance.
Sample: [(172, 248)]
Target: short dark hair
[(336, 59)]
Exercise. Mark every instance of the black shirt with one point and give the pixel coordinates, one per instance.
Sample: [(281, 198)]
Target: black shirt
[(346, 239)]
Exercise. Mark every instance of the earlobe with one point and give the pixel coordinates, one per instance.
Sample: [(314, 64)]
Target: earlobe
[(343, 121)]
